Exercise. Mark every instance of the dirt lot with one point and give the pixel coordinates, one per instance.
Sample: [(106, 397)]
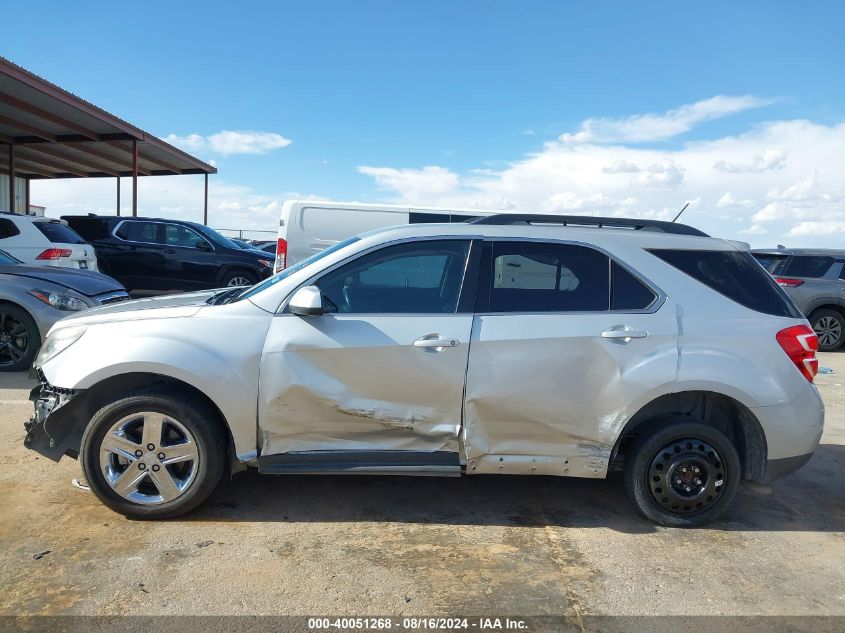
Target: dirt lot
[(369, 545)]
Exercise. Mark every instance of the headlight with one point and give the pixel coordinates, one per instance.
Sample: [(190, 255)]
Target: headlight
[(266, 263), (58, 341), (59, 300)]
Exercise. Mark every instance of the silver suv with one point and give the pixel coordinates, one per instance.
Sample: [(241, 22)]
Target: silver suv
[(815, 279), (503, 346)]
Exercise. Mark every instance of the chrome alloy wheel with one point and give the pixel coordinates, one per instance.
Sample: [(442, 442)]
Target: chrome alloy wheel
[(686, 476), (829, 330), (149, 458), (237, 281)]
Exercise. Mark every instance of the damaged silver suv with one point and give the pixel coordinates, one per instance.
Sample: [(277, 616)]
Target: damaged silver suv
[(532, 345)]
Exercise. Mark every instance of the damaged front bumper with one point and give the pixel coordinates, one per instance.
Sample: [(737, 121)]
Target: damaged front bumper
[(54, 429)]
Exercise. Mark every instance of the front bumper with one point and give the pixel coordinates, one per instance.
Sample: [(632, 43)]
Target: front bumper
[(54, 429)]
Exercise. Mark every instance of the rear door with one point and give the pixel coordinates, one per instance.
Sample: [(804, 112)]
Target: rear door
[(567, 344), (377, 382)]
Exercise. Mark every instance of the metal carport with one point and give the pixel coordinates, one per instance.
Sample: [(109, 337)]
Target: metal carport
[(47, 132)]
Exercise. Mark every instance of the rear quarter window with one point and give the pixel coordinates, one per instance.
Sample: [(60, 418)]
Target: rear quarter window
[(8, 229), (59, 233), (772, 263), (735, 275)]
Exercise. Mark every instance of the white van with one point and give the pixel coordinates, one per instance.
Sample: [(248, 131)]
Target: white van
[(310, 226)]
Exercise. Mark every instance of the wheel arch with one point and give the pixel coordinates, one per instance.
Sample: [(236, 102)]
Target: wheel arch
[(825, 303), (718, 410), (225, 269)]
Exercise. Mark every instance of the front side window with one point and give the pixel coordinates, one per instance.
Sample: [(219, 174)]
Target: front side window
[(547, 277), (409, 278), (178, 235)]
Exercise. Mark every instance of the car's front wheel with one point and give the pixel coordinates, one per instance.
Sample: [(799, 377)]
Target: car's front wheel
[(236, 278), (682, 474), (19, 339), (153, 454)]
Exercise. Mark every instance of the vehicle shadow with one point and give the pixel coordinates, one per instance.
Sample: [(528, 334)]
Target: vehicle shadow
[(809, 500)]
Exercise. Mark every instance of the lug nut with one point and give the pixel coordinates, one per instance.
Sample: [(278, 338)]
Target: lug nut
[(684, 469), (156, 468), (697, 482), (139, 453), (695, 469), (142, 466), (151, 447), (161, 455), (678, 481), (687, 488)]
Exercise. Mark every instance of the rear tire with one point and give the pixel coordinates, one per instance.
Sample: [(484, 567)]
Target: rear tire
[(20, 339), (173, 477), (682, 474), (829, 326)]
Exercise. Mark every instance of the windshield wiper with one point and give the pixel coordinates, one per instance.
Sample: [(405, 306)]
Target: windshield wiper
[(223, 297)]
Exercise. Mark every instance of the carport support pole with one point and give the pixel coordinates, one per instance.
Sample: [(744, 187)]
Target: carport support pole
[(134, 179), (11, 177), (118, 195), (205, 203)]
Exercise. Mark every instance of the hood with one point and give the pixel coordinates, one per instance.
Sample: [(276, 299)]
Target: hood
[(85, 282), (167, 307)]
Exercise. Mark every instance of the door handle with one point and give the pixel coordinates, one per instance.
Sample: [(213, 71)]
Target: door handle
[(435, 342), (623, 334)]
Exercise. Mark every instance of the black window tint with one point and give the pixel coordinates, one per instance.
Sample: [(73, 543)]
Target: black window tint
[(772, 263), (536, 277), (735, 275), (842, 273), (418, 217), (808, 266), (147, 232), (628, 292), (415, 277), (8, 229), (178, 235), (58, 233), (90, 229)]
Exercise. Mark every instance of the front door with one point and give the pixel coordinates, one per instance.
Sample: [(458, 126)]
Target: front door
[(566, 346), (376, 383)]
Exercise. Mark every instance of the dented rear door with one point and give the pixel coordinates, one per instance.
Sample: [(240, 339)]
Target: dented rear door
[(362, 380)]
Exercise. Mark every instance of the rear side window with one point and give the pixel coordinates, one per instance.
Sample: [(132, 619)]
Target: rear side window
[(90, 229), (538, 277), (418, 217), (8, 229), (735, 275), (627, 292), (59, 233), (808, 266), (147, 232)]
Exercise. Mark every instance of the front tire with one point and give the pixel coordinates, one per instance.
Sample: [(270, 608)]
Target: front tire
[(238, 277), (829, 326), (20, 339), (682, 474), (153, 454)]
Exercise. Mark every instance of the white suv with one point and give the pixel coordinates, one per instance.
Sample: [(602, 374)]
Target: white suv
[(39, 241), (499, 346)]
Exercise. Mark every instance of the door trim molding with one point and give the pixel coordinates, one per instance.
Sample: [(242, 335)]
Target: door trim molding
[(440, 463)]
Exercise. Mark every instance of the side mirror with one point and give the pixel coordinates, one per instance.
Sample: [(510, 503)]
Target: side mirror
[(307, 301), (203, 246)]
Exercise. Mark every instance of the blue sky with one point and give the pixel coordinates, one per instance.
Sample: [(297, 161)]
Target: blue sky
[(466, 103)]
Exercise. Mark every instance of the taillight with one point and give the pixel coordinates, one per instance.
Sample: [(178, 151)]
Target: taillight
[(786, 282), (55, 253), (281, 255), (800, 343)]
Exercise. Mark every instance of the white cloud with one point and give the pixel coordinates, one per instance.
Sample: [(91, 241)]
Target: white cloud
[(414, 183), (817, 228), (591, 178), (764, 161), (657, 127), (228, 142)]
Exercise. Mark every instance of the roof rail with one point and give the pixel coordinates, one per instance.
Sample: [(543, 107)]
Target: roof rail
[(637, 224)]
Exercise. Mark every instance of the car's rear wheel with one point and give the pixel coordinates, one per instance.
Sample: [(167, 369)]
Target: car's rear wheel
[(235, 278), (153, 454), (19, 339), (829, 326), (682, 474)]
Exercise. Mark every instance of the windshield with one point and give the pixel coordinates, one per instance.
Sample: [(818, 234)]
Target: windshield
[(7, 260), (214, 236), (287, 272)]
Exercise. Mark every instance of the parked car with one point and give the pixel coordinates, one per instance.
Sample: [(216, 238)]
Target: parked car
[(308, 226), (41, 241), (33, 298), (815, 280), (492, 347), (159, 254)]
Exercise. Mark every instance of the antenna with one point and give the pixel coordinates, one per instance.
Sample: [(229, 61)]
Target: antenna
[(680, 212)]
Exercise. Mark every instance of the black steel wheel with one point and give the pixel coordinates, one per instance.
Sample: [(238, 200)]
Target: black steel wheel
[(682, 474), (19, 339)]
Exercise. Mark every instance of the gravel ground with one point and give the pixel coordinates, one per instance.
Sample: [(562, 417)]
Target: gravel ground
[(380, 545)]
